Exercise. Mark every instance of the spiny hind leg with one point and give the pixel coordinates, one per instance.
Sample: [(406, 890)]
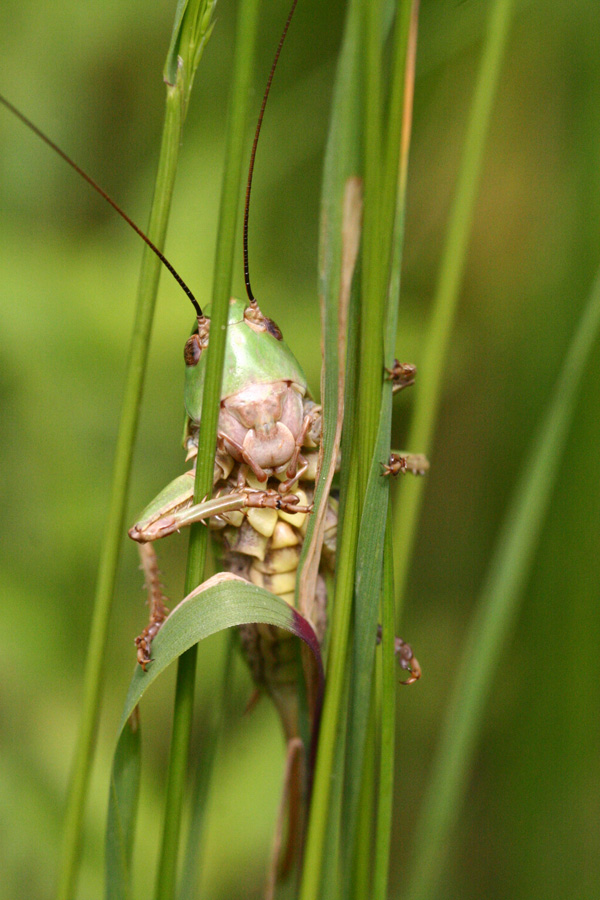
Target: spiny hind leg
[(158, 610)]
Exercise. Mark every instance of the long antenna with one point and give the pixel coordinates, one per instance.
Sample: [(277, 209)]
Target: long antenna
[(251, 296), (108, 199)]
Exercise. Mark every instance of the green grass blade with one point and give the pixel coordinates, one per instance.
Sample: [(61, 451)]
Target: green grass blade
[(227, 233), (360, 882), (122, 810), (192, 29), (432, 367), (204, 768), (115, 525), (495, 613), (370, 555), (387, 733), (388, 676), (341, 163), (224, 601), (373, 259)]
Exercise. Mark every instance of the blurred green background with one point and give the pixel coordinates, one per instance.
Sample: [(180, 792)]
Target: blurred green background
[(90, 75)]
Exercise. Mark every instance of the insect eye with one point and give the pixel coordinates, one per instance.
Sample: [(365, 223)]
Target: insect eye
[(273, 328), (192, 351)]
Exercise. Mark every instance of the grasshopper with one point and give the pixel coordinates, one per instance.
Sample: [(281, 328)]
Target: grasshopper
[(266, 461)]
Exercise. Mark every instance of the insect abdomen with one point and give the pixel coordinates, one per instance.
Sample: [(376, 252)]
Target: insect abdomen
[(265, 550)]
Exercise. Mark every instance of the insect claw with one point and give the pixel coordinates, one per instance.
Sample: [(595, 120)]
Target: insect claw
[(415, 669), (415, 463), (290, 503), (402, 375), (143, 652), (407, 660)]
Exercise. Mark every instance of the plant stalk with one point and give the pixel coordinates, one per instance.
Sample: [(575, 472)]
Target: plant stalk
[(115, 525), (247, 27)]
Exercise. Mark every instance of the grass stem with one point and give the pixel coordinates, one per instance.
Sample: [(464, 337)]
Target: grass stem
[(227, 233)]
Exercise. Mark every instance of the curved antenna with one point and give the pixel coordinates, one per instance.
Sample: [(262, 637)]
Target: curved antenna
[(251, 296), (108, 199)]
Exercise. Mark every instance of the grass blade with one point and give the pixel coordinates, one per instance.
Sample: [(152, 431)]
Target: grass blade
[(115, 527), (387, 732), (341, 163), (370, 552), (224, 601), (495, 613), (122, 811), (200, 792), (247, 26)]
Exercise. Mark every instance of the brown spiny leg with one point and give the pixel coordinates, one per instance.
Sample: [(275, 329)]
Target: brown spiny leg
[(401, 463), (406, 658), (402, 375), (158, 610)]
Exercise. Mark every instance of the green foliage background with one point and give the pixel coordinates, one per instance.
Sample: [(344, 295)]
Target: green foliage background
[(90, 75)]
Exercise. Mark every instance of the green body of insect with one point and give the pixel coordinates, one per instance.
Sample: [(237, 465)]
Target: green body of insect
[(265, 467)]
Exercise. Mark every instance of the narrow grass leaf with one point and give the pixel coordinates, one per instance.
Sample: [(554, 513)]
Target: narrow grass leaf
[(403, 86), (246, 31), (192, 28), (369, 565), (122, 810), (113, 534), (360, 884), (223, 601), (341, 163), (387, 735), (212, 734), (371, 540), (220, 602)]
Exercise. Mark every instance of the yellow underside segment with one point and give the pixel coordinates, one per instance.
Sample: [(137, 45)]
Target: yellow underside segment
[(263, 546)]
